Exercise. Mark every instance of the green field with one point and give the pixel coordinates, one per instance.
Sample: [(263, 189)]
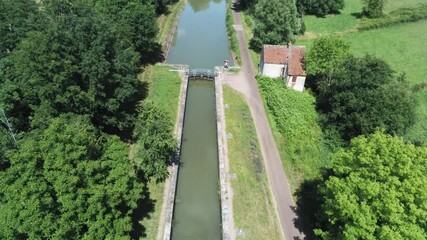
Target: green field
[(347, 20), (253, 209)]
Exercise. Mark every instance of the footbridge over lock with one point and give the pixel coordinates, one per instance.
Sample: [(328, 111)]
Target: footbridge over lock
[(201, 73)]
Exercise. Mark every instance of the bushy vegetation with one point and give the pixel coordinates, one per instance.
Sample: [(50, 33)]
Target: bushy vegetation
[(296, 119), (373, 8), (319, 7), (375, 190), (403, 15), (69, 98)]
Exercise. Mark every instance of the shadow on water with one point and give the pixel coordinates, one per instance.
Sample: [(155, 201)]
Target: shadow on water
[(308, 203), (200, 5), (143, 210)]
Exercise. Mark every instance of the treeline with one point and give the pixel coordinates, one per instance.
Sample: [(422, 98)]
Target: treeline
[(70, 100)]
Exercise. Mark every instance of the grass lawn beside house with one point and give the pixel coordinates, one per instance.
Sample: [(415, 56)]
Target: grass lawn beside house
[(253, 209)]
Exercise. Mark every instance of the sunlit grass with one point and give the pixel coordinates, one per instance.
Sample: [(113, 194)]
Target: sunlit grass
[(254, 212)]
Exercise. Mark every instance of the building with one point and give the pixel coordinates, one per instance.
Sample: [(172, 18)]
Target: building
[(285, 62)]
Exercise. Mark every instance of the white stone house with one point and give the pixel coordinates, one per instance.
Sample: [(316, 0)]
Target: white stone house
[(285, 62)]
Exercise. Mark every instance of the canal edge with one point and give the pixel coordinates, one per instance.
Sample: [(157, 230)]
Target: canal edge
[(170, 188), (227, 221), (169, 40)]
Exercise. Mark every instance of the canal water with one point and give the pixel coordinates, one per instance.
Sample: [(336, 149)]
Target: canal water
[(201, 42), (201, 39)]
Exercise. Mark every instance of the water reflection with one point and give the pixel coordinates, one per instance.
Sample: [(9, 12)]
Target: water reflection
[(200, 5)]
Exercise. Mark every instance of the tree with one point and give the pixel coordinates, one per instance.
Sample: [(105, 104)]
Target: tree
[(155, 143), (373, 8), (319, 7), (323, 60), (74, 65), (68, 182), (366, 95), (17, 18), (375, 190), (276, 23)]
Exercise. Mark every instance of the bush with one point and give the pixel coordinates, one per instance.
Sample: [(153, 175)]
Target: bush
[(402, 15), (296, 119)]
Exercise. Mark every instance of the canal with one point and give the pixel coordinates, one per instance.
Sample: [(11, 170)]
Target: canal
[(201, 42)]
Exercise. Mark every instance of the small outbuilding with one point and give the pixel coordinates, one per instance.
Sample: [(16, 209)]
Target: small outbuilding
[(286, 62)]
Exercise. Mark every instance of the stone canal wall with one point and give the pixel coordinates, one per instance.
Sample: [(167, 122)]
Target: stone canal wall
[(170, 189)]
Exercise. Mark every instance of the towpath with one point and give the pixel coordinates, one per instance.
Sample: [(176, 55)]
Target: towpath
[(245, 82)]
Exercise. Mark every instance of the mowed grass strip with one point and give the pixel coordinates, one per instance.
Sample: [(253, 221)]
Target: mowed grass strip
[(164, 85), (254, 212)]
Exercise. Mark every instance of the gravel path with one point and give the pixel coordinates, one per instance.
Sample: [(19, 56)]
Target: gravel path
[(245, 83)]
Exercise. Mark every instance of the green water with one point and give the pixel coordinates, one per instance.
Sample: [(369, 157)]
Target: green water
[(197, 206), (201, 42)]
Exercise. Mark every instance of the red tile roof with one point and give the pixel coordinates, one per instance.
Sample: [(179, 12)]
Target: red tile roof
[(275, 54), (293, 55)]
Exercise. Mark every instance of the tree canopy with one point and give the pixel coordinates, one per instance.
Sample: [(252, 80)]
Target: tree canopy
[(324, 58), (68, 182), (373, 8), (376, 189), (155, 144), (69, 90), (319, 7), (276, 23), (365, 95)]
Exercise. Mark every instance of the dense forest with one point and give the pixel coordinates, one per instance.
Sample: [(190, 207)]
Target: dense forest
[(70, 106)]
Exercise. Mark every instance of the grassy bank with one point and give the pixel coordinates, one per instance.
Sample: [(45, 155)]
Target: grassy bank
[(253, 209), (167, 22)]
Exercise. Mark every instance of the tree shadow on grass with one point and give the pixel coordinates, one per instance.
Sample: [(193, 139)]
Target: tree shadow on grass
[(143, 210), (358, 15), (308, 204)]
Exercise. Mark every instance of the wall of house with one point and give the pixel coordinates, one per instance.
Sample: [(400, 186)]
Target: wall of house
[(272, 70), (298, 85)]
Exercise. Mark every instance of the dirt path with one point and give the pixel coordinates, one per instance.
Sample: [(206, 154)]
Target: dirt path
[(245, 82)]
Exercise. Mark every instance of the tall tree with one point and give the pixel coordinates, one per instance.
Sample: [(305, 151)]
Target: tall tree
[(366, 95), (155, 143), (323, 60), (373, 8), (376, 189), (276, 23), (319, 7), (74, 65), (68, 182), (17, 18)]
